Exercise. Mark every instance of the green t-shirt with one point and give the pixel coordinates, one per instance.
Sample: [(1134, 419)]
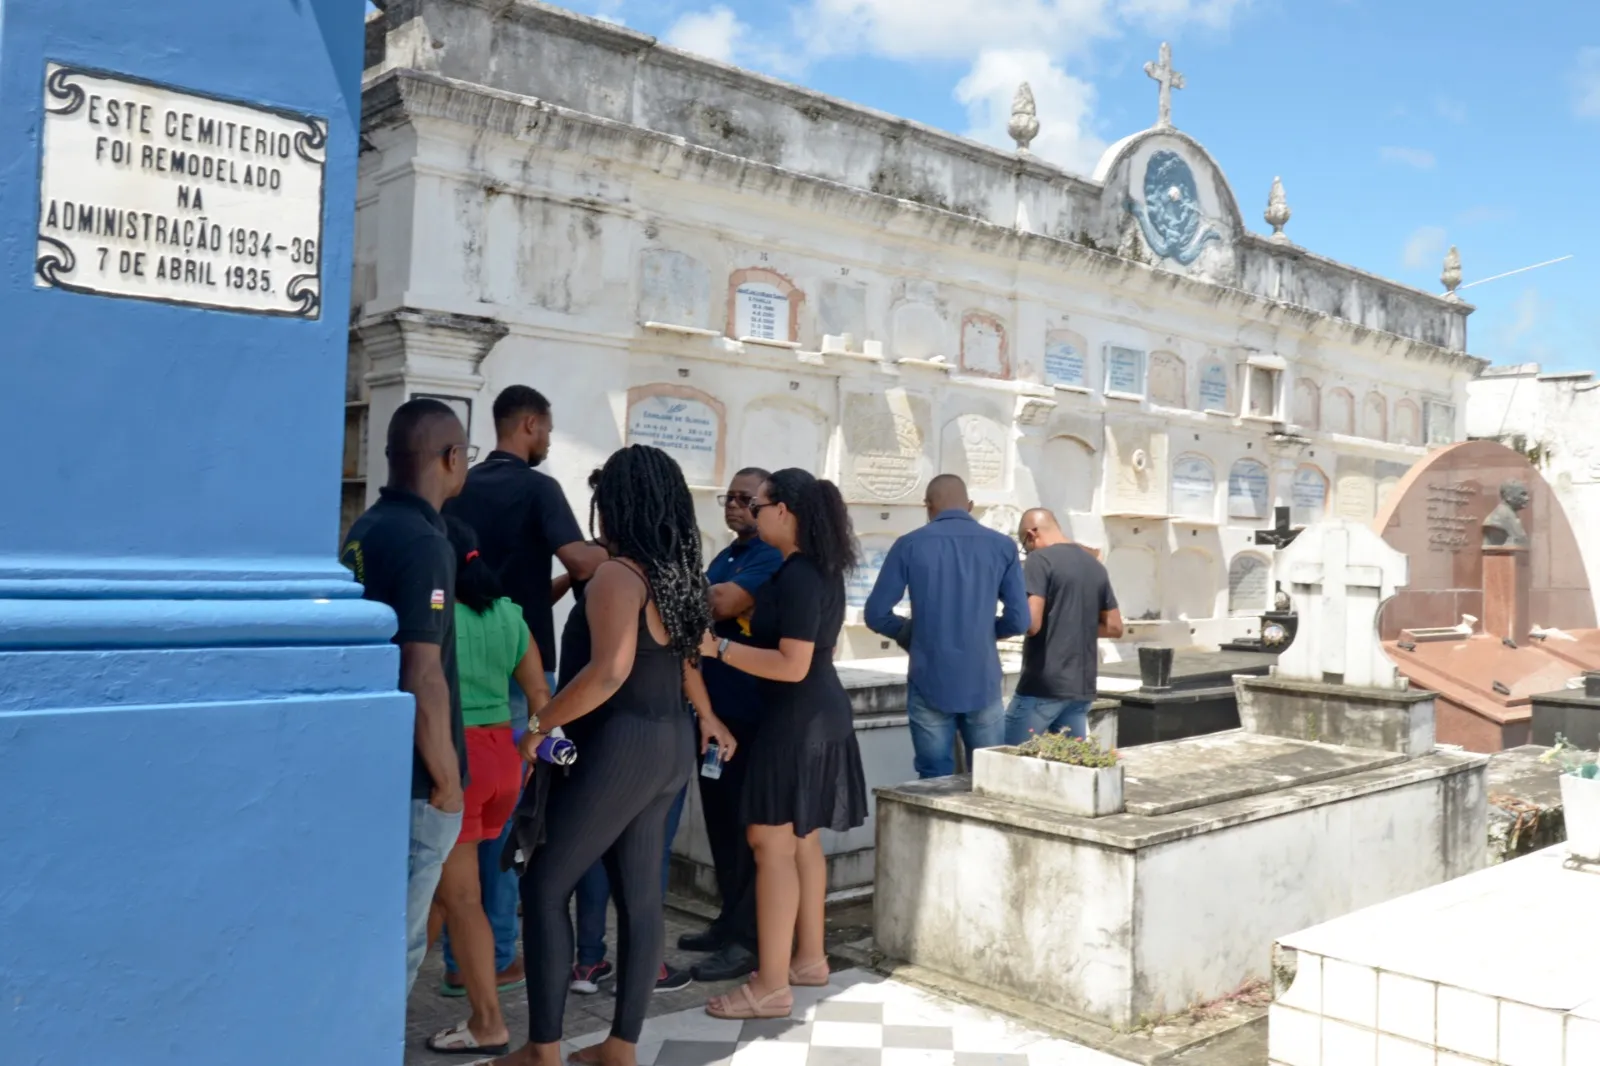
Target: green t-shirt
[(488, 648)]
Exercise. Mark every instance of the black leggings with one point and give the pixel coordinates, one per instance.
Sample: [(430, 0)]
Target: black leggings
[(613, 806)]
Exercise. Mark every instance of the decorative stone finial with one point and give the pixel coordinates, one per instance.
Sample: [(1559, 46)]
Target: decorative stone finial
[(1024, 124), (1452, 273), (1169, 80), (1277, 213)]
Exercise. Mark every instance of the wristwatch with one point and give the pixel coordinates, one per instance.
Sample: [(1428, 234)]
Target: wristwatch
[(533, 723), (722, 648)]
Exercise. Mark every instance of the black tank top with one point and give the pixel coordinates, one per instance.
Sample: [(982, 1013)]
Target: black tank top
[(653, 688)]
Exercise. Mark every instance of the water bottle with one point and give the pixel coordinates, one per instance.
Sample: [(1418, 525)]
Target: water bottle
[(711, 765)]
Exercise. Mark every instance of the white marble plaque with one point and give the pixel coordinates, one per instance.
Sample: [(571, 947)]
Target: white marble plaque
[(1213, 387), (1308, 496), (983, 345), (1064, 360), (1247, 583), (1406, 423), (1247, 490), (975, 450), (674, 288), (858, 585), (1124, 370), (1169, 384), (1194, 487), (154, 193), (761, 311), (687, 429), (885, 444)]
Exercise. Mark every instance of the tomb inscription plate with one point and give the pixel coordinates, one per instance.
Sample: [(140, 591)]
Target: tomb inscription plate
[(761, 311), (152, 192), (684, 423), (1063, 360)]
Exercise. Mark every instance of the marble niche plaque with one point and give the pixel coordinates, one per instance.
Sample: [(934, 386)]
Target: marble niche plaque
[(1247, 583), (858, 586), (1065, 355), (779, 433), (974, 449), (1339, 412), (1136, 463), (152, 192), (1387, 475), (919, 331), (1168, 380), (761, 310), (674, 289), (983, 345), (1248, 492), (1124, 370), (886, 442), (842, 310), (1194, 487), (1213, 386), (685, 423), (1308, 496), (1355, 493), (1407, 423)]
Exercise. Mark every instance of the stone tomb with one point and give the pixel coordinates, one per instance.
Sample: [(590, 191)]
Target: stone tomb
[(1498, 608), (1200, 698), (1226, 841)]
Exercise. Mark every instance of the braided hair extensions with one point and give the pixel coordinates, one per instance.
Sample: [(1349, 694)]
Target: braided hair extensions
[(647, 516)]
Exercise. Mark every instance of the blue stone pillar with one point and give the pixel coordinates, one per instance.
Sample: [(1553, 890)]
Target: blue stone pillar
[(204, 765)]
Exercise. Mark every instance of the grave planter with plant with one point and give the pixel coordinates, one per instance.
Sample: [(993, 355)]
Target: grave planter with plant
[(1056, 772), (1580, 797)]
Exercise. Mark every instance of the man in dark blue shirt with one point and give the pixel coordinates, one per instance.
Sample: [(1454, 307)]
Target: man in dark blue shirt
[(956, 571), (734, 575)]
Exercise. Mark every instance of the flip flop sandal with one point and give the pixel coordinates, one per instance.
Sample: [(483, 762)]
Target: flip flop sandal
[(808, 976), (742, 1005), (458, 1040)]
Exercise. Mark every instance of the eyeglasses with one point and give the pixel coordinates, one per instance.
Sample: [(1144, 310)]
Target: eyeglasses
[(742, 499), (470, 449), (756, 508)]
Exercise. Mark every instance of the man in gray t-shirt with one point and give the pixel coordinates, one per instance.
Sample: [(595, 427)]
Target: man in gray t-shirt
[(1070, 606)]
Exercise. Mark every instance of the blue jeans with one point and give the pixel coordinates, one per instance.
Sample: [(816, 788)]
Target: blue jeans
[(594, 892), (499, 887), (433, 834), (1029, 715), (933, 733)]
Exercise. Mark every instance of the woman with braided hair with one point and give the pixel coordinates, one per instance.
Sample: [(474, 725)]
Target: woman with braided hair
[(645, 609), (803, 773)]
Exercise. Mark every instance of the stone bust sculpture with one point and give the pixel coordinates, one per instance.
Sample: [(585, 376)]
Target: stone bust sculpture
[(1503, 527)]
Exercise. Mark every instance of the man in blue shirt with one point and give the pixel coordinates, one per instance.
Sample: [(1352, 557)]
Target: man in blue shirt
[(956, 570), (734, 576)]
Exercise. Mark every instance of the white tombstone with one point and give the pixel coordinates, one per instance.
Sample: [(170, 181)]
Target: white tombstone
[(1338, 574)]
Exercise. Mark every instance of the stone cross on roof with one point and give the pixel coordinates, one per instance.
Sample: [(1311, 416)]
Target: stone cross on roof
[(1169, 79)]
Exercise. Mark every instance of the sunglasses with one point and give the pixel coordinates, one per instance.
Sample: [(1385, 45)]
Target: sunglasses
[(742, 499), (757, 508)]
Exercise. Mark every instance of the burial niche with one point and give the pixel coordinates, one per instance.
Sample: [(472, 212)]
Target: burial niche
[(1248, 495), (1247, 583), (779, 433), (983, 345), (1066, 484), (1375, 417), (974, 448), (685, 423), (1065, 359), (763, 305), (674, 289), (1308, 496), (1194, 488), (1339, 412), (1407, 423), (1132, 569), (1307, 404), (1191, 585), (1124, 371), (1214, 386), (1168, 380)]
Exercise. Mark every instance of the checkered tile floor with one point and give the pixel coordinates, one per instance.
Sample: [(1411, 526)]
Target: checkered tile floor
[(860, 1019)]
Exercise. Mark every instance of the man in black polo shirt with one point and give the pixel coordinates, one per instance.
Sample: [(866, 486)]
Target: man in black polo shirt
[(400, 554), (523, 524)]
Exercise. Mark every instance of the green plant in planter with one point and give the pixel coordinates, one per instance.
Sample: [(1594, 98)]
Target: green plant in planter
[(1572, 759), (1064, 747)]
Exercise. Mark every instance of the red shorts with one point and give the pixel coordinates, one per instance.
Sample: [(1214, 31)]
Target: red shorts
[(494, 782)]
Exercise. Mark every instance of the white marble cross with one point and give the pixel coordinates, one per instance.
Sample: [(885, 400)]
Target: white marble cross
[(1339, 573), (1169, 79)]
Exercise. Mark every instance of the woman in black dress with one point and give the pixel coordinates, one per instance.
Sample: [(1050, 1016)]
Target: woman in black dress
[(804, 772)]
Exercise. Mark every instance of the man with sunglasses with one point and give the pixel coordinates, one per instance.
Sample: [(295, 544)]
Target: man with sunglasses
[(734, 575), (399, 552)]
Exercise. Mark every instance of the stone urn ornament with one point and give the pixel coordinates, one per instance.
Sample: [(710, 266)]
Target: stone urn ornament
[(1278, 213), (1024, 124), (1451, 275)]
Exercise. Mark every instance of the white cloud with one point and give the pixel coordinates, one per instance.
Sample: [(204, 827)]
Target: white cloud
[(1518, 336), (1065, 103), (1450, 110), (1425, 247), (1586, 84), (1420, 158), (716, 34)]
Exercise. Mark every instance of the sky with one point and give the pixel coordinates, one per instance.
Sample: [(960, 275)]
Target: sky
[(1399, 127)]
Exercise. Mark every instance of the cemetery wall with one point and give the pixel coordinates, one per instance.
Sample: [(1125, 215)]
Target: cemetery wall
[(766, 300)]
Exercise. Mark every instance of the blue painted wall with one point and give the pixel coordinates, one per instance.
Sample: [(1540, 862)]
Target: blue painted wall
[(204, 766)]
